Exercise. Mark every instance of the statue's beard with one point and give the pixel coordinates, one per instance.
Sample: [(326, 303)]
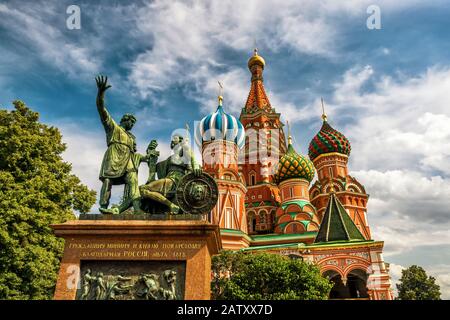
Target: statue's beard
[(126, 126)]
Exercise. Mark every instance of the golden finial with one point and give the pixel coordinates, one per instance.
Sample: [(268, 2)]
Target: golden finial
[(324, 115), (256, 59), (220, 93), (289, 133)]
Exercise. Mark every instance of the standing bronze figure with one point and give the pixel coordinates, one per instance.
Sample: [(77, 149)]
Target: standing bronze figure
[(119, 164)]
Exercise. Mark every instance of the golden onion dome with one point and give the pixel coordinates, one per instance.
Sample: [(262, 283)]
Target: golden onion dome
[(256, 59)]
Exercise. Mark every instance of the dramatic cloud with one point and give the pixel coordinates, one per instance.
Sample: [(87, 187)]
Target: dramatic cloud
[(32, 24), (188, 37)]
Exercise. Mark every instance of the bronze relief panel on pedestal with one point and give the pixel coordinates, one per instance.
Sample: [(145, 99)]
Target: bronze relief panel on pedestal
[(132, 280)]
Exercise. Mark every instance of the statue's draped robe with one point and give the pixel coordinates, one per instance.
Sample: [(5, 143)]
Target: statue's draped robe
[(121, 162), (118, 158)]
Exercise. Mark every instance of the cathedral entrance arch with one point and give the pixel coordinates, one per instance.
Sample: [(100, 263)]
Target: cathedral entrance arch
[(357, 283), (353, 286)]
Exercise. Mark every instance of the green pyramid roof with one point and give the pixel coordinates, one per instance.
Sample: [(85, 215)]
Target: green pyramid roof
[(337, 224)]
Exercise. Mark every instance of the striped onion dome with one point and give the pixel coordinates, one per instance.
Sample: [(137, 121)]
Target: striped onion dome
[(293, 165), (328, 140), (220, 126)]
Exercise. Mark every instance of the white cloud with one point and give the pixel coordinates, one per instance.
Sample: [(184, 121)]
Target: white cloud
[(352, 81), (395, 271), (236, 83), (85, 153), (188, 37), (47, 39), (427, 197), (185, 40), (442, 274)]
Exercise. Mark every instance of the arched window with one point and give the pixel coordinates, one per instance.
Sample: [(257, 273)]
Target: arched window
[(262, 217), (251, 222), (252, 179)]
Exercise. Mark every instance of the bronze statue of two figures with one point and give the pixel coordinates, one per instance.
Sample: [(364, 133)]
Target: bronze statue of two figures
[(181, 186)]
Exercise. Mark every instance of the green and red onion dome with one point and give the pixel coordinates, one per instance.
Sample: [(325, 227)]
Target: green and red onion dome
[(328, 140), (293, 165)]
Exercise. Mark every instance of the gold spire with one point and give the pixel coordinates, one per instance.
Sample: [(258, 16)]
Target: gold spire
[(289, 133), (220, 93), (324, 115)]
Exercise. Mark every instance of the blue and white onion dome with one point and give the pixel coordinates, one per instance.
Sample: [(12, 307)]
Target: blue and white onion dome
[(220, 126)]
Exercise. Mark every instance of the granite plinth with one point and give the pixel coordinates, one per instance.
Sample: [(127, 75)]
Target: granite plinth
[(110, 240)]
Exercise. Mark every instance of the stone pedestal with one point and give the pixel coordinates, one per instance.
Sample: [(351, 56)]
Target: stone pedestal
[(136, 259)]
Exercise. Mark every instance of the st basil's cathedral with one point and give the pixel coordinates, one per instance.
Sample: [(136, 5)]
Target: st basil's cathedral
[(267, 202)]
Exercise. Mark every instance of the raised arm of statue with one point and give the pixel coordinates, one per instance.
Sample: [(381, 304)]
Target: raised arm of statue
[(102, 86)]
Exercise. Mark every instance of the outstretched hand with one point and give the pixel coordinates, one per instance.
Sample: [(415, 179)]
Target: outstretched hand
[(102, 84)]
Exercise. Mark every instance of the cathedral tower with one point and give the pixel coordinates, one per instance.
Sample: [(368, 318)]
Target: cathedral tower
[(293, 175), (220, 136), (329, 150), (264, 145)]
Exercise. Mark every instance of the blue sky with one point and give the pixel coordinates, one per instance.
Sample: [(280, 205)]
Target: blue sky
[(387, 90)]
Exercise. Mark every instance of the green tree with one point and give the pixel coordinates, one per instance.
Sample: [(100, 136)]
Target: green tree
[(416, 285), (37, 189), (241, 276)]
